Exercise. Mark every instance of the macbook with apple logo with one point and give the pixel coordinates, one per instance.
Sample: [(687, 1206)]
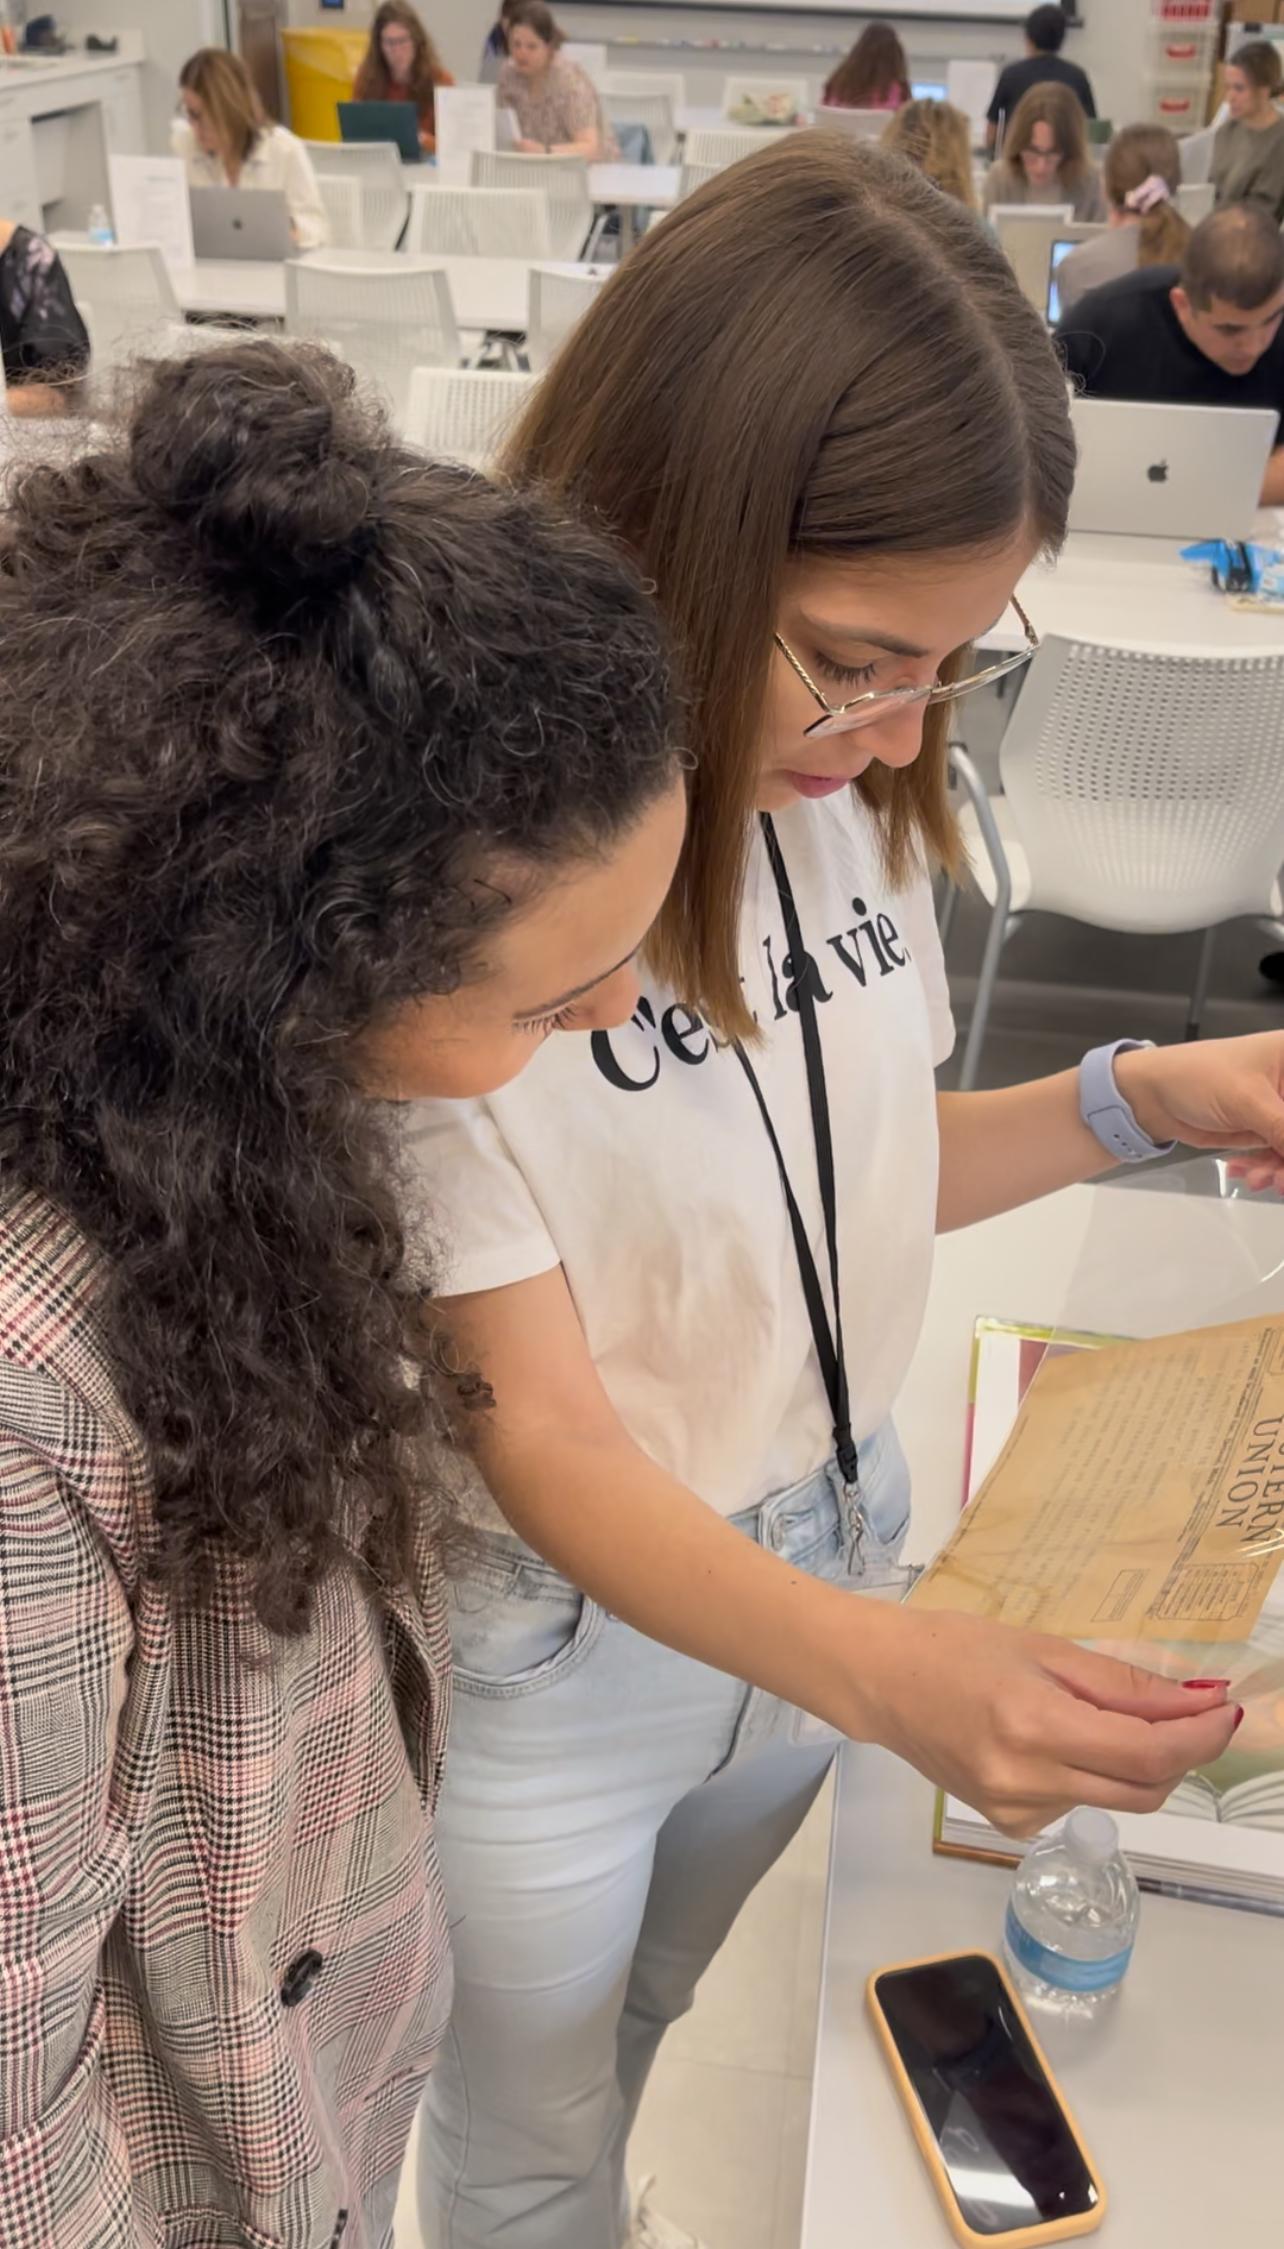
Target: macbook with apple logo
[(1169, 472)]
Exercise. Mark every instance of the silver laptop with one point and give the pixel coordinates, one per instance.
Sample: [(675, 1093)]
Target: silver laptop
[(1169, 472), (240, 222)]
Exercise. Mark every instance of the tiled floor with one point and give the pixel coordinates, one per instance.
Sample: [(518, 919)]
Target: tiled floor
[(724, 2123)]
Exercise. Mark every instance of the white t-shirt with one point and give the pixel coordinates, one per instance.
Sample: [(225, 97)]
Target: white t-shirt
[(278, 161), (638, 1159)]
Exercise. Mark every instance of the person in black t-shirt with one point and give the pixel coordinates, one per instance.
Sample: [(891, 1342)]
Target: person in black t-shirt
[(1209, 332), (1044, 29)]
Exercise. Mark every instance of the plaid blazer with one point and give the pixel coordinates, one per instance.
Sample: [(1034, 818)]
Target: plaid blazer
[(223, 1953)]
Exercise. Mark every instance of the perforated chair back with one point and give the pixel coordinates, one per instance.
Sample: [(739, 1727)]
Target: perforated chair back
[(723, 146), (563, 180), (761, 90), (854, 124), (384, 319), (344, 210), (1147, 790), (464, 413), (556, 303), (384, 196), (693, 176), (1195, 199), (670, 82), (125, 297), (479, 222), (654, 111)]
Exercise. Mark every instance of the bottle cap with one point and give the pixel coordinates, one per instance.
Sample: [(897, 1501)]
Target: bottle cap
[(1091, 1835)]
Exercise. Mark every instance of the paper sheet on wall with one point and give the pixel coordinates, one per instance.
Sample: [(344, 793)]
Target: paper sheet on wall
[(970, 87), (1140, 1494), (150, 204)]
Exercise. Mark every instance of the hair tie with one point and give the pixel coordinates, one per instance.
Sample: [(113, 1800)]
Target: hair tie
[(1144, 198)]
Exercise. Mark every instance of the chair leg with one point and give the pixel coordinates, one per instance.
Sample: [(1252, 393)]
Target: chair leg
[(949, 906), (1000, 916), (1194, 1013)]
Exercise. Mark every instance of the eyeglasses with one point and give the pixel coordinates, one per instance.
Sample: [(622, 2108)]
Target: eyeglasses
[(844, 718)]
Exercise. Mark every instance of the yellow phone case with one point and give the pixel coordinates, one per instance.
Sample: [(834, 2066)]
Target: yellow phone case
[(1024, 2237)]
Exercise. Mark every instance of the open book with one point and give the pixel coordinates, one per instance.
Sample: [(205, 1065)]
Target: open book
[(1221, 1834)]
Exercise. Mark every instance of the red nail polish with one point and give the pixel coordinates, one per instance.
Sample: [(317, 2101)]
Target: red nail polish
[(1239, 1719), (1204, 1686)]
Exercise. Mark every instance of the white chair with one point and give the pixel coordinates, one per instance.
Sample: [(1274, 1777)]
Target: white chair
[(344, 210), (556, 302), (854, 124), (762, 90), (478, 222), (385, 319), (693, 176), (377, 165), (727, 147), (654, 111), (463, 413), (670, 82), (1140, 792), (126, 300), (563, 180), (1197, 154), (1195, 199)]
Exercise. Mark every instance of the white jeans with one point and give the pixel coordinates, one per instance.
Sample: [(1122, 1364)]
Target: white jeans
[(608, 1807)]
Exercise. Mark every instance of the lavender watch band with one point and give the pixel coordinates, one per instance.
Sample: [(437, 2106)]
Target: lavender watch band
[(1107, 1114)]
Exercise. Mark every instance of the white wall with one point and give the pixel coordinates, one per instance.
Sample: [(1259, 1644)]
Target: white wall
[(170, 31)]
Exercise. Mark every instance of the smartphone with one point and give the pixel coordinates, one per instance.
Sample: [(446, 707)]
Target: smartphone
[(1003, 2150)]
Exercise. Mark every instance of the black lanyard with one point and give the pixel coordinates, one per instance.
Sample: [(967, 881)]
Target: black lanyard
[(828, 1340)]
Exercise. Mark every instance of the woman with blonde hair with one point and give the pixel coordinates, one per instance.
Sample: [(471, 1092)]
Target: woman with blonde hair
[(401, 64), (874, 74), (1141, 176), (937, 139), (225, 140), (690, 1257), (1045, 156)]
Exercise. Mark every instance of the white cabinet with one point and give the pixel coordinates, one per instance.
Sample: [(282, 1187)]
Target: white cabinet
[(122, 107), (19, 183)]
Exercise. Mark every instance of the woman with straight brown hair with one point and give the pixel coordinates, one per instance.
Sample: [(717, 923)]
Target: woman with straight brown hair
[(1045, 156), (872, 75), (691, 1257), (937, 139), (225, 140), (1141, 176), (401, 64)]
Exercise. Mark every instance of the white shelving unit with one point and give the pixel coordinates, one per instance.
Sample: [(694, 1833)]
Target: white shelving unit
[(59, 121)]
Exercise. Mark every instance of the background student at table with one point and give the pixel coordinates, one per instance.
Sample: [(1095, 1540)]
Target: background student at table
[(1041, 65), (401, 64), (1045, 157), (555, 102), (226, 140), (1140, 177), (1206, 332), (937, 139), (1248, 151), (44, 343), (874, 74), (495, 47)]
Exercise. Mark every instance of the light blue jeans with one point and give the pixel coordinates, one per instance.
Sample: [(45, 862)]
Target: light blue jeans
[(608, 1808)]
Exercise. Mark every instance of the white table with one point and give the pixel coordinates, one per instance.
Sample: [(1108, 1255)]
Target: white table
[(1138, 593), (1177, 2094), (488, 293)]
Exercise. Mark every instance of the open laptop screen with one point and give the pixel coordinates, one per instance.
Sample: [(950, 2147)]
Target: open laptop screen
[(1060, 250)]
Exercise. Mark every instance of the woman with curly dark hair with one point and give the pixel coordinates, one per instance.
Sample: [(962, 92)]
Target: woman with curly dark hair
[(325, 773)]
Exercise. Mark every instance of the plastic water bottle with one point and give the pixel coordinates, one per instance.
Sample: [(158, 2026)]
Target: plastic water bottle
[(1072, 1919), (100, 233)]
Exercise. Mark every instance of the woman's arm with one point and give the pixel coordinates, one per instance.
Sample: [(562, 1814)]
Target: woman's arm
[(1017, 1723), (309, 225), (999, 1150)]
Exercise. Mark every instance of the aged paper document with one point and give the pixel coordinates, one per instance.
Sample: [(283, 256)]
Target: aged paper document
[(1140, 1494)]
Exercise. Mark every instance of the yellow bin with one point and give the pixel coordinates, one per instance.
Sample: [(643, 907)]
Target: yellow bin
[(319, 69)]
